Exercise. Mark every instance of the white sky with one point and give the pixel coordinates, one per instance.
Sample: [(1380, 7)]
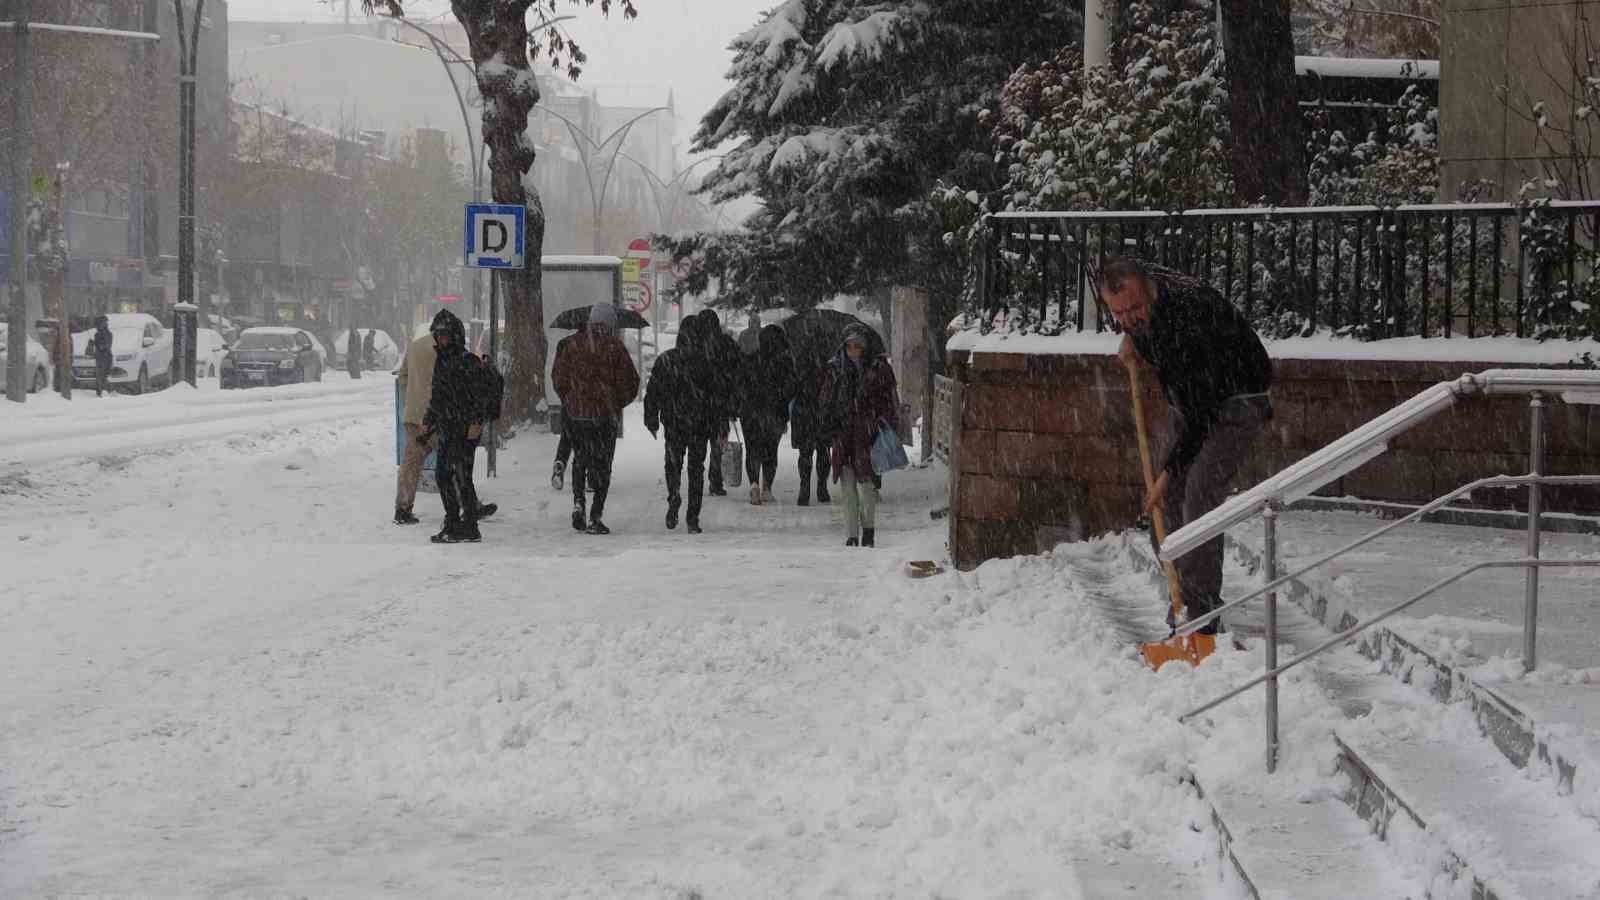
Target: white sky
[(667, 46)]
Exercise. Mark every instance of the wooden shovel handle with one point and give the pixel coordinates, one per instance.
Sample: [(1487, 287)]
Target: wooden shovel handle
[(1157, 518)]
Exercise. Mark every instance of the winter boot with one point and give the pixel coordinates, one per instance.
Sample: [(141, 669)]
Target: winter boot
[(851, 542), (403, 516), (805, 495), (451, 526), (597, 527), (558, 475), (672, 513), (718, 491), (485, 510), (755, 495), (822, 491), (579, 520), (766, 494), (868, 535), (467, 533), (694, 526)]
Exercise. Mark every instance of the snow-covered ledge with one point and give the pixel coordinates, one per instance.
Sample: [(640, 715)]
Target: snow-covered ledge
[(1044, 450)]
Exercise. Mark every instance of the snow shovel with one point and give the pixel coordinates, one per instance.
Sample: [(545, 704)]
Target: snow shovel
[(1195, 647)]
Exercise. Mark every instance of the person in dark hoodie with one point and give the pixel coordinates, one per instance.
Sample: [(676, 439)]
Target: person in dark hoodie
[(595, 378), (859, 393), (723, 353), (810, 430), (369, 349), (100, 347), (681, 399), (1216, 375), (455, 416), (352, 352), (766, 383)]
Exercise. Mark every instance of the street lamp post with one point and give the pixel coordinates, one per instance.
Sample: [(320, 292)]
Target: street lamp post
[(657, 184), (188, 58), (584, 143)]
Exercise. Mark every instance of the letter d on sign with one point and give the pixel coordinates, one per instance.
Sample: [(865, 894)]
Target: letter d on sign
[(494, 236)]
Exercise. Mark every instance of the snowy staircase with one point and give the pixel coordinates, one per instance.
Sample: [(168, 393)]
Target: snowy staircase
[(1446, 790)]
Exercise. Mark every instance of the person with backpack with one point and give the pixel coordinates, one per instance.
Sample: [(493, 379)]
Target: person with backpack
[(100, 346), (681, 399), (859, 393), (456, 414), (595, 378)]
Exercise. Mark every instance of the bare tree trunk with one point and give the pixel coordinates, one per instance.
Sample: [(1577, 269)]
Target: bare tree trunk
[(498, 33), (1268, 136)]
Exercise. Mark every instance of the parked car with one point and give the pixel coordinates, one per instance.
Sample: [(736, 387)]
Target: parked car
[(141, 353), (385, 353), (38, 369), (208, 349), (269, 356)]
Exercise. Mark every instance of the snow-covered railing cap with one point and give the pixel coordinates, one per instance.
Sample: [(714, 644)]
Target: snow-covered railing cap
[(1371, 440)]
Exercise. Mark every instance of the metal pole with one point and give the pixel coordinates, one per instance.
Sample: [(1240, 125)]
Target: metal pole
[(21, 169), (1269, 557), (62, 353), (494, 345), (1530, 620)]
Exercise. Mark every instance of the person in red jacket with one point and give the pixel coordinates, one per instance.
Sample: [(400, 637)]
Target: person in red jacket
[(595, 379), (858, 396)]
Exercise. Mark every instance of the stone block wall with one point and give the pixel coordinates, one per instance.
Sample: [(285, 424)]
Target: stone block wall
[(1046, 449)]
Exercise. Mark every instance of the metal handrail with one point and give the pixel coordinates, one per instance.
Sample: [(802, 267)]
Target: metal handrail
[(1493, 481), (1356, 629), (1356, 449)]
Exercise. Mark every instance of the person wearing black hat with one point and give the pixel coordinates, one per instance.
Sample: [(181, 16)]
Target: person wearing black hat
[(455, 415)]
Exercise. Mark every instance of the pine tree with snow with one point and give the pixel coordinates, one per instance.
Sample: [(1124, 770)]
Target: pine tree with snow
[(843, 116)]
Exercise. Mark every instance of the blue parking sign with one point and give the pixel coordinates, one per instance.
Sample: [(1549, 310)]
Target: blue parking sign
[(496, 236)]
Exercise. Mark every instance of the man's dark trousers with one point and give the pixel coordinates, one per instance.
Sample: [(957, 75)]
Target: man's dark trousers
[(1201, 486), (594, 445), (453, 470), (694, 451)]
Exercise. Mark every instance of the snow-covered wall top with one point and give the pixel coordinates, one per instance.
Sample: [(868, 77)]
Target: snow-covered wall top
[(1486, 349)]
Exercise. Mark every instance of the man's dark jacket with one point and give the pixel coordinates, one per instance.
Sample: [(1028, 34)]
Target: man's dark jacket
[(1204, 352), (682, 395), (456, 403)]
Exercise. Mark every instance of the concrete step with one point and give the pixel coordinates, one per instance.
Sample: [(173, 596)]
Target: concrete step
[(1450, 803)]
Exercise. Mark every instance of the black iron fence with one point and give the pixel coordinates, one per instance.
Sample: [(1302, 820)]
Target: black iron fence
[(1367, 272)]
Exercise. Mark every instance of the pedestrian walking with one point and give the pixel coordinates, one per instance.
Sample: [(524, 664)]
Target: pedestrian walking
[(766, 384), (859, 393), (100, 345), (415, 377), (369, 349), (750, 337), (457, 411), (558, 471), (723, 353), (595, 379), (352, 353), (1215, 375), (810, 430), (681, 400)]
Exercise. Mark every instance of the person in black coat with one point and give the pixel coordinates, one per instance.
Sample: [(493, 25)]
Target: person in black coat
[(456, 415), (100, 347), (369, 349), (1216, 376), (682, 398), (722, 351), (352, 352), (811, 431), (766, 384)]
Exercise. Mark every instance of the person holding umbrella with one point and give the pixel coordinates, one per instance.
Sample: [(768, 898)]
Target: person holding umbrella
[(595, 379)]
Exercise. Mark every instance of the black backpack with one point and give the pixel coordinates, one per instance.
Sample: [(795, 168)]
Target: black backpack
[(490, 388)]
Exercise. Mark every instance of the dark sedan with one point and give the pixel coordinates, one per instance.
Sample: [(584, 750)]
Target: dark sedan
[(269, 356)]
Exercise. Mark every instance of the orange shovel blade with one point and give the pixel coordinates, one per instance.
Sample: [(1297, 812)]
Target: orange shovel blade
[(1191, 649)]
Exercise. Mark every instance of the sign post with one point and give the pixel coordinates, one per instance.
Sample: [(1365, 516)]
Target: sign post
[(496, 238)]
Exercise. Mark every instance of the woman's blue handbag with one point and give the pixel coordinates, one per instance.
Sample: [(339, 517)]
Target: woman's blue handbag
[(887, 454)]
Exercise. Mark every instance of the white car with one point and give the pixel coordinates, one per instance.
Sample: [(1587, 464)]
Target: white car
[(208, 349), (385, 353), (38, 368), (141, 353)]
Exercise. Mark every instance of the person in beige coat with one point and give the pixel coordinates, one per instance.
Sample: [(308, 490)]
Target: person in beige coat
[(415, 377)]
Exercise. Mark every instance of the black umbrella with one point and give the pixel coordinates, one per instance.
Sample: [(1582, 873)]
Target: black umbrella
[(816, 334), (578, 317)]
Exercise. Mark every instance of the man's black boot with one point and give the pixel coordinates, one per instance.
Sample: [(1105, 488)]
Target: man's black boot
[(486, 510), (403, 516), (672, 513), (579, 520), (451, 526), (867, 537)]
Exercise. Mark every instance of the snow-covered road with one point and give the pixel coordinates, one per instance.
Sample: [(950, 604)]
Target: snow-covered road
[(228, 675)]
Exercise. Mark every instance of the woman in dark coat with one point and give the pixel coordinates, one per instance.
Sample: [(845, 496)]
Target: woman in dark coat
[(809, 431), (766, 383), (859, 393)]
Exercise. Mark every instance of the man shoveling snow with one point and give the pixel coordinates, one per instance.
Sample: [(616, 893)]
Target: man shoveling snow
[(1215, 375)]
